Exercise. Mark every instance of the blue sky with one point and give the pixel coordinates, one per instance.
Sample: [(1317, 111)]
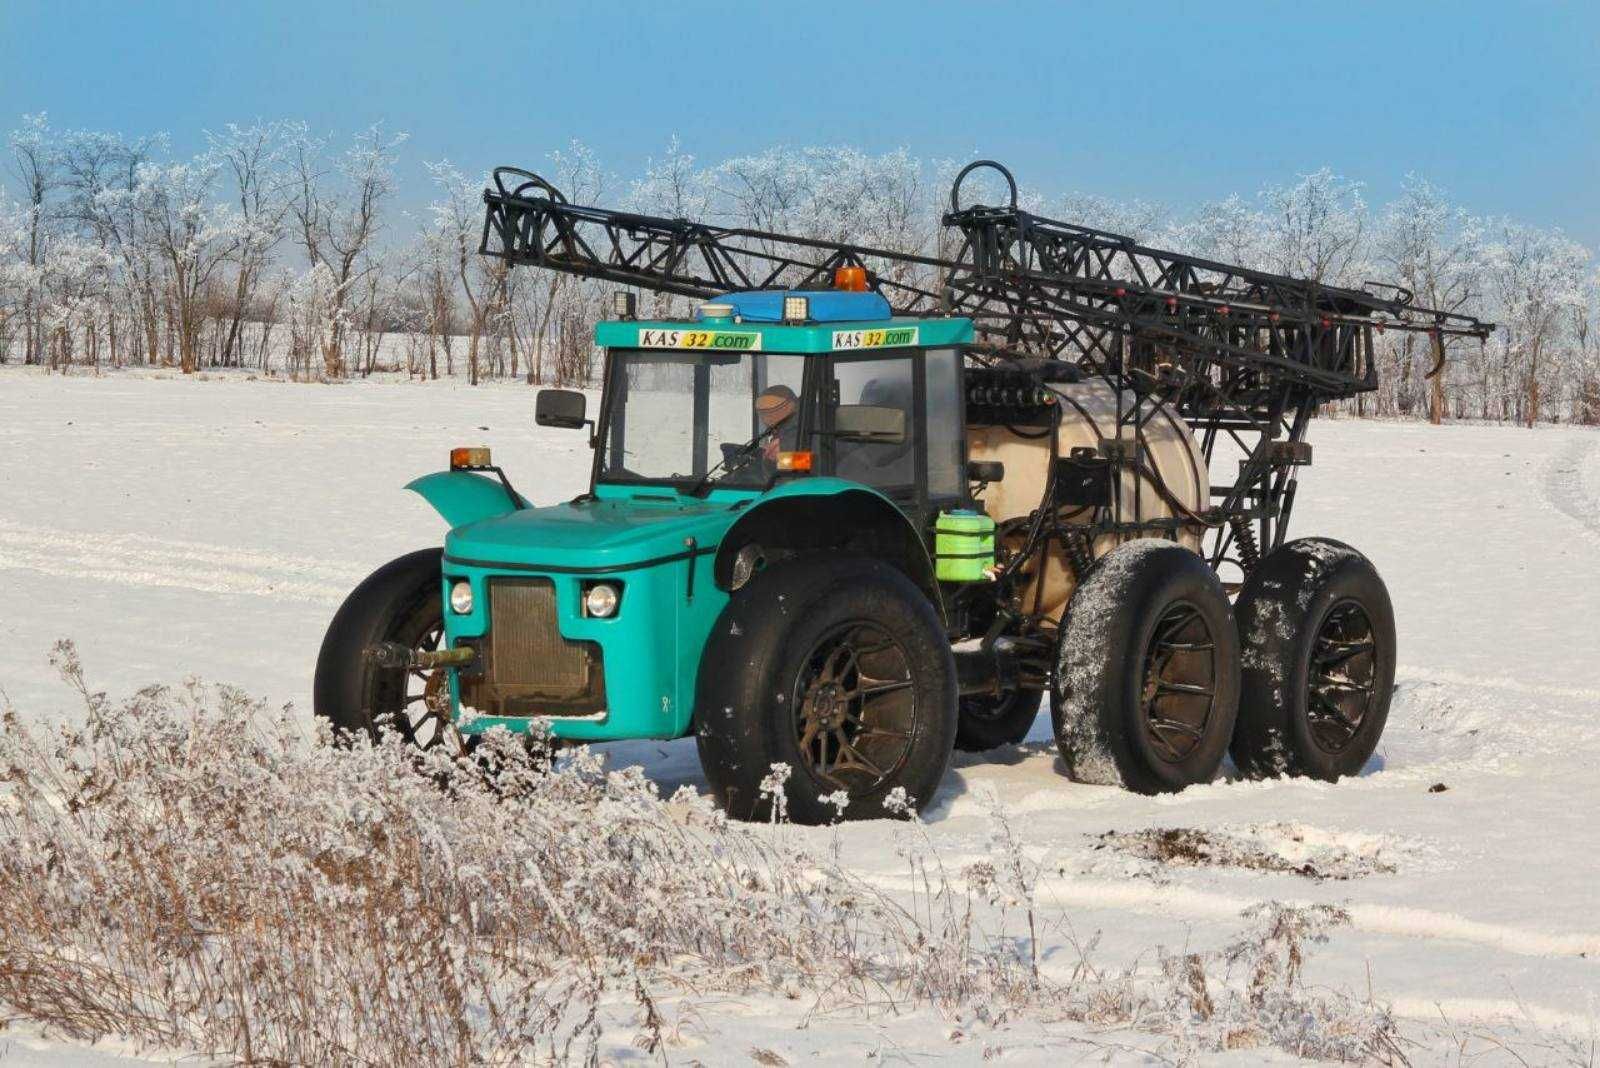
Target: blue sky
[(1499, 102)]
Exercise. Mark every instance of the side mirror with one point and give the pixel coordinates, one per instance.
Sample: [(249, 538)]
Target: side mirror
[(565, 409), (875, 423)]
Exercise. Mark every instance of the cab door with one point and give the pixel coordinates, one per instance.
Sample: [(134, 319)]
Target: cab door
[(921, 467)]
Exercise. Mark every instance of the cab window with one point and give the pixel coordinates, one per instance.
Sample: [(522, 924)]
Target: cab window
[(875, 423)]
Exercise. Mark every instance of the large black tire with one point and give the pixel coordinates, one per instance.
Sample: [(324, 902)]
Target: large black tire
[(400, 602), (985, 723), (1147, 672), (1317, 630), (763, 694)]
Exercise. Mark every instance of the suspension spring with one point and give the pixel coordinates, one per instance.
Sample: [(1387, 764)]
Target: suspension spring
[(1244, 536), (1078, 552)]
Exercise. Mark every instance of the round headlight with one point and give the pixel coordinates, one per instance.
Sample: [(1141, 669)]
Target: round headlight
[(461, 597), (600, 601)]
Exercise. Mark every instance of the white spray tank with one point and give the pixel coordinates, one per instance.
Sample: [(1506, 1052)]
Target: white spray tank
[(1088, 416)]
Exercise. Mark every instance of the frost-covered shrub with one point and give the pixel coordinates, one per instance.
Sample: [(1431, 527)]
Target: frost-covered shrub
[(187, 869)]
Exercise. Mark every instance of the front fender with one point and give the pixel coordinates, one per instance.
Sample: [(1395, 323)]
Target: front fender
[(821, 513), (462, 497)]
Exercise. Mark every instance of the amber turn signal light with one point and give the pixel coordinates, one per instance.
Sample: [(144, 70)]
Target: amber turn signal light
[(794, 461), (468, 458)]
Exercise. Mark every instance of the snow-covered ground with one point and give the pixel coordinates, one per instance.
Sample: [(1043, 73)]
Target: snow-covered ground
[(211, 527)]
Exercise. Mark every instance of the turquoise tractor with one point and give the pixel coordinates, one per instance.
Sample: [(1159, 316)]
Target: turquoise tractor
[(757, 562)]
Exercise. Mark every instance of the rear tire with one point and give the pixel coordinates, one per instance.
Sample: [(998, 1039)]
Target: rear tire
[(985, 722), (838, 668), (1147, 672), (400, 602), (1317, 628)]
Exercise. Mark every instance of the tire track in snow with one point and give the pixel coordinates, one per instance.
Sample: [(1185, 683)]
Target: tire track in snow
[(144, 560), (1394, 920), (1564, 489), (1401, 921), (1492, 1011), (1412, 676)]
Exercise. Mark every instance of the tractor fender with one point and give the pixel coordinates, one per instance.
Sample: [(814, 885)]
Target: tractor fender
[(462, 497), (830, 515)]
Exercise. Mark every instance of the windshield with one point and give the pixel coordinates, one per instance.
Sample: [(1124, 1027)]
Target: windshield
[(675, 417)]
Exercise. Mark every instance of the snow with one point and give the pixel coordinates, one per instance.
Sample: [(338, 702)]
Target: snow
[(189, 527)]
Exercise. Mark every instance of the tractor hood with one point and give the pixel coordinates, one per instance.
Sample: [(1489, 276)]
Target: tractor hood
[(593, 535)]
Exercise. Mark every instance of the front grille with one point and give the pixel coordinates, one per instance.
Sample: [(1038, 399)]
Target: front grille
[(529, 668)]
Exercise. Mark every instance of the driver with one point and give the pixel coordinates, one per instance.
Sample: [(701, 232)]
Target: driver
[(776, 407)]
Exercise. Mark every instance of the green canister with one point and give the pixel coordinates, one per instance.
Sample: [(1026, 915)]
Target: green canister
[(963, 546)]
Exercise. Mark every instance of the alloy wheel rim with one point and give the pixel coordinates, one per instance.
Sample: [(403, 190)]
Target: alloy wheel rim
[(1178, 693), (1341, 677), (855, 707)]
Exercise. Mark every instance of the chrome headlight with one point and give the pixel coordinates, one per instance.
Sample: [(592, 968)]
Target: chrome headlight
[(601, 600), (461, 597)]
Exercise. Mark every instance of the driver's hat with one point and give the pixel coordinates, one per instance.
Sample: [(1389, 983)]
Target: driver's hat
[(776, 403)]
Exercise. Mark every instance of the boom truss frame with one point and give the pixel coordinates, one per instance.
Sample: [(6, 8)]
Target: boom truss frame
[(1244, 356)]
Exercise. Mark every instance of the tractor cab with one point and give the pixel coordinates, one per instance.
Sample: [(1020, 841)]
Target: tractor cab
[(767, 387)]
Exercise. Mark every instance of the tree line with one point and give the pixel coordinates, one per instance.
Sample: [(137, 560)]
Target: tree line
[(282, 251)]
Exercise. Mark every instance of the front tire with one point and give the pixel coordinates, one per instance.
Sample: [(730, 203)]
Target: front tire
[(1147, 674), (400, 602), (1319, 654), (839, 669)]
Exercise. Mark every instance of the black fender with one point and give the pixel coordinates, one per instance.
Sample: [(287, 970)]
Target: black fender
[(835, 516)]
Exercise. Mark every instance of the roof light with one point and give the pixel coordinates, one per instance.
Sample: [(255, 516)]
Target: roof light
[(716, 311), (796, 309), (794, 461), (850, 279), (469, 458), (624, 304)]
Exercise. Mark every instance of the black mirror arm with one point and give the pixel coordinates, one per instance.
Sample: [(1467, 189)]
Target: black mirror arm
[(517, 503)]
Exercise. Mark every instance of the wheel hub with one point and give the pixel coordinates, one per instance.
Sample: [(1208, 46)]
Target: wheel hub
[(828, 706)]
